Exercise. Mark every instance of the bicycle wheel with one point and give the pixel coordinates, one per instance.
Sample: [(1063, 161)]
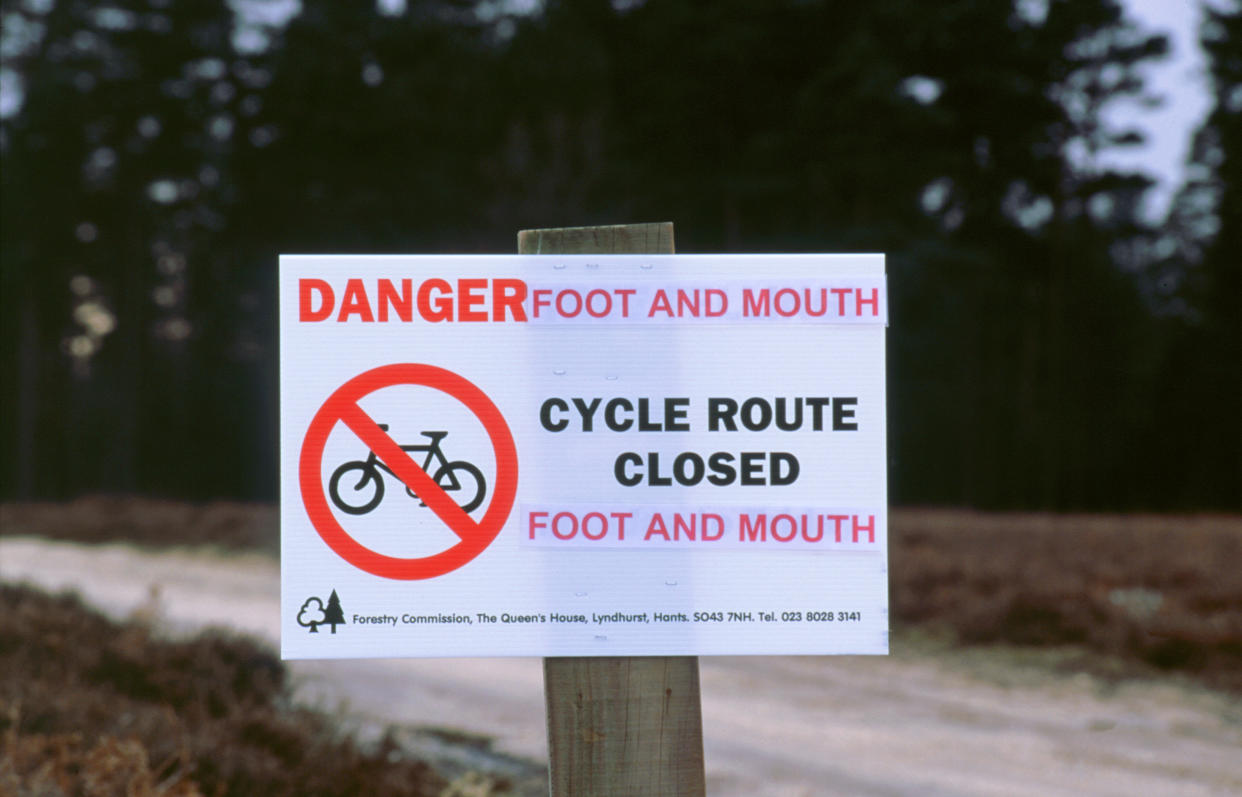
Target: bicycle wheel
[(359, 498), (468, 479)]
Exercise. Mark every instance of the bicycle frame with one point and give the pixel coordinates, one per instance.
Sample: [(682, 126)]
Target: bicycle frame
[(435, 464), (434, 454)]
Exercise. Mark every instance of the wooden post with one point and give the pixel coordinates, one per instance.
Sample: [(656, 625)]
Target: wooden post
[(618, 726)]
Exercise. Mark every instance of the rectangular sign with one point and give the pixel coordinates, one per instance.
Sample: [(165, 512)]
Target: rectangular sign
[(578, 455)]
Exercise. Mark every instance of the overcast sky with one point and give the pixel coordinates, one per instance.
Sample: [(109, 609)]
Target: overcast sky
[(1181, 80)]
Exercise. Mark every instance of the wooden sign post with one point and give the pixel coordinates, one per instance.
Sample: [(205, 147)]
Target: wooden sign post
[(620, 726)]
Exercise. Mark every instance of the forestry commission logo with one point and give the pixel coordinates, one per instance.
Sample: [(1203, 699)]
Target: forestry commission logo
[(314, 613)]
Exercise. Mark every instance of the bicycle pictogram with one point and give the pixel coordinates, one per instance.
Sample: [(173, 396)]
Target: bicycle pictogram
[(365, 495)]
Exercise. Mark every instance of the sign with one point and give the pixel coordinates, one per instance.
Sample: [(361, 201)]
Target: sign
[(432, 485), (568, 455)]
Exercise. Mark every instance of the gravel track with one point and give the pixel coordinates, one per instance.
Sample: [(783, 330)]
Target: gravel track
[(927, 720)]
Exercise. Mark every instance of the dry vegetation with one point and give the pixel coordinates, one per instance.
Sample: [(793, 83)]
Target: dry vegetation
[(89, 707), (150, 522), (1161, 590)]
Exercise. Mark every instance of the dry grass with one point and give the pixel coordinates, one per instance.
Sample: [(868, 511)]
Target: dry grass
[(145, 521), (1163, 590), (89, 707)]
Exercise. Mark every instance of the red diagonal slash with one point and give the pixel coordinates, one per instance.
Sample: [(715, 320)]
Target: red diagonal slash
[(408, 471)]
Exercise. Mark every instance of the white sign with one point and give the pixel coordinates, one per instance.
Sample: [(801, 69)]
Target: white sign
[(571, 455)]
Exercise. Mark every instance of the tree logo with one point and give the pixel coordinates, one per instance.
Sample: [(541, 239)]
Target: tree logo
[(314, 614)]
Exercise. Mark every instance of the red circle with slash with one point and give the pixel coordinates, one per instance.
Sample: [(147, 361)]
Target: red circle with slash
[(343, 407)]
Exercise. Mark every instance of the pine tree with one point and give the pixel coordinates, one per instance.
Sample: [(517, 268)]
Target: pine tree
[(333, 615)]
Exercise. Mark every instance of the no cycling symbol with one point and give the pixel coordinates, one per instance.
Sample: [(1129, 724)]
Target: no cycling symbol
[(342, 406)]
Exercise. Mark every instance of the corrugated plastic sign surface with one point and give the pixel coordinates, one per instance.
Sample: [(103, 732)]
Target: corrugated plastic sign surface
[(569, 455)]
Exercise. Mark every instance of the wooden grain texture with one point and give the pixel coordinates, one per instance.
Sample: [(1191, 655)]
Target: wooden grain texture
[(616, 239), (624, 726), (620, 726)]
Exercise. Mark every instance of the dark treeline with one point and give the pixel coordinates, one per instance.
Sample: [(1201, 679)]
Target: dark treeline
[(1049, 348)]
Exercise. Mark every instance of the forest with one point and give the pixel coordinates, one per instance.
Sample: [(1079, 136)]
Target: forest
[(1051, 347)]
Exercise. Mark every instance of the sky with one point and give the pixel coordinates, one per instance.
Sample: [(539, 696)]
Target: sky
[(1181, 81)]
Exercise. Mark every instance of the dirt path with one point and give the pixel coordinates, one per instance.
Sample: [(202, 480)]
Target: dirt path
[(925, 721)]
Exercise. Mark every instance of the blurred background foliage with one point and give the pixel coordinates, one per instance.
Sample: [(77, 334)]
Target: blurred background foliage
[(1051, 348)]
